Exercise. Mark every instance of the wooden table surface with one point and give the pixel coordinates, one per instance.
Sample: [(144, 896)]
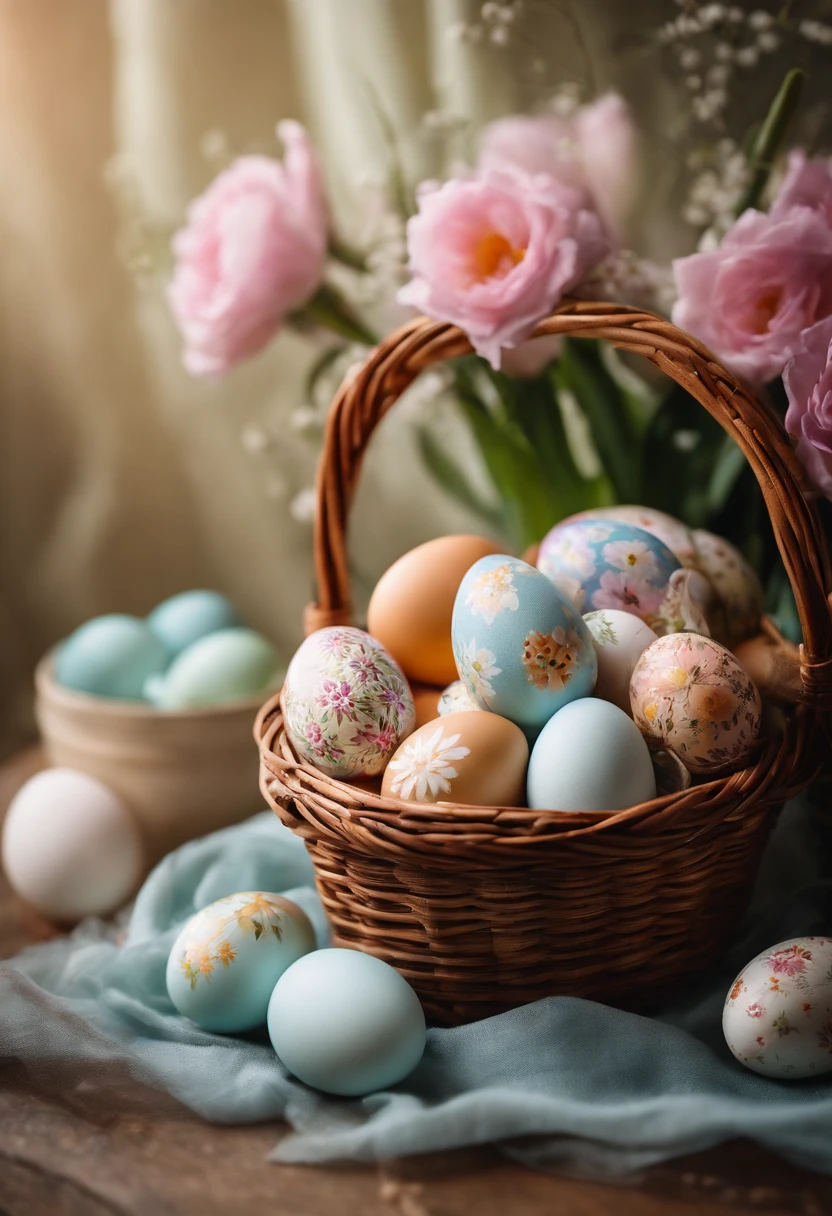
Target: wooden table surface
[(159, 1160)]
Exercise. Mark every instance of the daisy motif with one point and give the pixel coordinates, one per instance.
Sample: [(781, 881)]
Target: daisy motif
[(424, 767), (491, 592), (632, 556), (478, 670), (574, 552)]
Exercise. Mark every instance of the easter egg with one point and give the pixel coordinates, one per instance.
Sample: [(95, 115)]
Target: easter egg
[(691, 695), (346, 1023), (738, 589), (184, 619), (470, 757), (601, 563), (777, 1018), (522, 650), (425, 702), (590, 757), (70, 847), (677, 536), (225, 963), (347, 704), (222, 667), (411, 607), (110, 656), (456, 698), (619, 639)]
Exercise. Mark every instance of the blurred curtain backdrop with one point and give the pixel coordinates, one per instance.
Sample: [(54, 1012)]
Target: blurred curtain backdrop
[(123, 480)]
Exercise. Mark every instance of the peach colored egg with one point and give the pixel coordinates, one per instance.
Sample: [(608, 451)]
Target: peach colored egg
[(737, 587), (690, 694), (426, 702), (471, 757), (411, 607)]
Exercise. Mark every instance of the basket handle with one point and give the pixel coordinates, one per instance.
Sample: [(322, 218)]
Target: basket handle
[(364, 399)]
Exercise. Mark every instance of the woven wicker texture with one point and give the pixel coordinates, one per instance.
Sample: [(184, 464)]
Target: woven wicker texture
[(483, 908)]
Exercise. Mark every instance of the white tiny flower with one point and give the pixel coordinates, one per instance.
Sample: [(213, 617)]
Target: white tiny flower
[(686, 441), (735, 14), (719, 73), (768, 41), (689, 58), (711, 14), (694, 83), (303, 506), (500, 35), (724, 52), (255, 439), (490, 11), (760, 19), (747, 56)]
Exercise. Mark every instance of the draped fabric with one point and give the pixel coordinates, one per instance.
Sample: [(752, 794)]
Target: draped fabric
[(122, 479)]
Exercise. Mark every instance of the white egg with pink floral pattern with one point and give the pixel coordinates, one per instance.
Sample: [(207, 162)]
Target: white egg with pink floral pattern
[(346, 703), (777, 1018)]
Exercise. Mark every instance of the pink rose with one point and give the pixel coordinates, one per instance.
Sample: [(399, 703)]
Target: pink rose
[(750, 299), (594, 152), (808, 381), (808, 183), (493, 254), (253, 251)]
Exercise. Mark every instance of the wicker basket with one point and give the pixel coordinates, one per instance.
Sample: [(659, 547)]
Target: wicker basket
[(485, 908)]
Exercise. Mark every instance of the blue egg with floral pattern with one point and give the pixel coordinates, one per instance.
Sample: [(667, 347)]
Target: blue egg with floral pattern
[(600, 563), (521, 648)]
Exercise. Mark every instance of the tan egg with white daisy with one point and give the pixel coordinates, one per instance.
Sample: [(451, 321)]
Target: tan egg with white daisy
[(473, 758)]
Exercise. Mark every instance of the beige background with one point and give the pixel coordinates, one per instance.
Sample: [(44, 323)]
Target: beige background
[(122, 480)]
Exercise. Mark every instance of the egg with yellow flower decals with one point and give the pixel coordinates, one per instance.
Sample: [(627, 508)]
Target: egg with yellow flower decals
[(226, 961), (522, 649), (690, 694)]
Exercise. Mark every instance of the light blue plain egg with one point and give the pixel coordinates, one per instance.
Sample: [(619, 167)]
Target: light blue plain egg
[(110, 656), (184, 619), (590, 757), (521, 648), (226, 961), (346, 1023), (225, 666)]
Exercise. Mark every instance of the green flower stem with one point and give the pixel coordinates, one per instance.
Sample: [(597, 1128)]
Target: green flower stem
[(329, 309), (346, 255), (770, 136)]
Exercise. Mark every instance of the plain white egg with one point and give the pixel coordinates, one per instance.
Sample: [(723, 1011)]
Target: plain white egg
[(70, 847)]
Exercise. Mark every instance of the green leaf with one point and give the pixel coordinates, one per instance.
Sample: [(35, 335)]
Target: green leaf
[(728, 465), (770, 136), (452, 478), (581, 371)]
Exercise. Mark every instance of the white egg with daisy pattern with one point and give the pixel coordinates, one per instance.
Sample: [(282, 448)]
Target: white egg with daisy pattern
[(473, 758), (521, 648)]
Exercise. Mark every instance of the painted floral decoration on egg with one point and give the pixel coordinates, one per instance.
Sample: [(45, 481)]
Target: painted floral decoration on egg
[(690, 694), (737, 587), (601, 563), (777, 1018), (670, 531), (521, 648), (346, 702)]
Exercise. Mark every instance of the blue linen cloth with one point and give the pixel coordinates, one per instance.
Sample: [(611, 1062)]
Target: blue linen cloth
[(568, 1083)]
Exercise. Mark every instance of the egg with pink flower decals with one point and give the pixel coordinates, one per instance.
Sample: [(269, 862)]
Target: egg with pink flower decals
[(690, 695), (601, 563), (346, 703), (777, 1018)]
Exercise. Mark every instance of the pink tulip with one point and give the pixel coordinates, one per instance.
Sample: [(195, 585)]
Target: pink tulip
[(253, 251), (808, 183), (750, 299), (494, 253), (808, 381), (594, 152)]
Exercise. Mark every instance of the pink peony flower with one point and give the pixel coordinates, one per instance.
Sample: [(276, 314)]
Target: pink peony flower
[(750, 299), (252, 251), (808, 183), (808, 381), (594, 152), (493, 254)]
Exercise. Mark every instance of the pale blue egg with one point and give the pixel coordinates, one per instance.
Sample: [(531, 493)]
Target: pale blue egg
[(225, 666), (184, 619), (346, 1023), (590, 757), (110, 656), (226, 961), (601, 563), (521, 648)]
